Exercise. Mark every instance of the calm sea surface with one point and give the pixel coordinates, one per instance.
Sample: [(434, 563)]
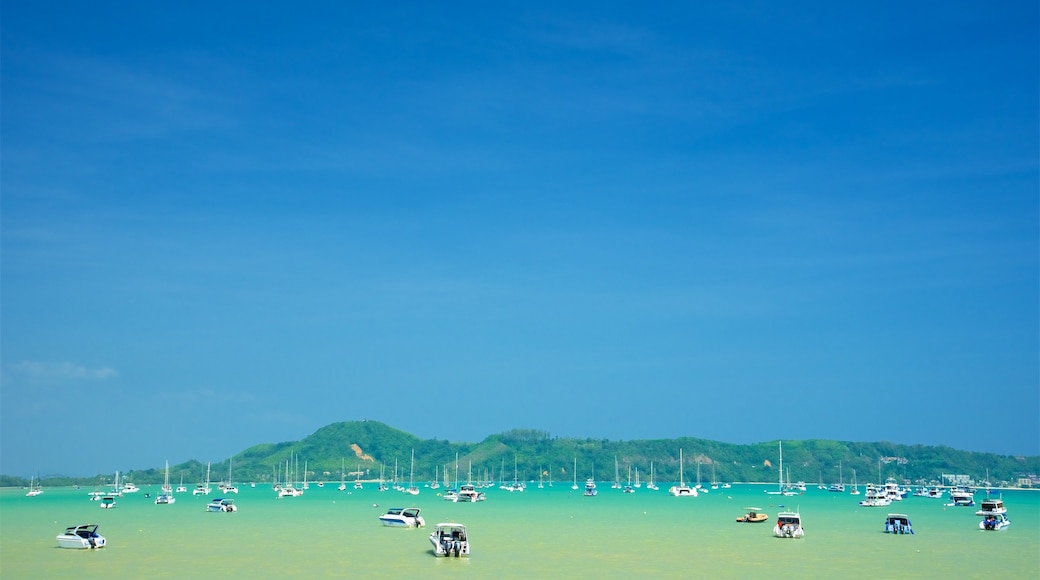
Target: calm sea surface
[(550, 532)]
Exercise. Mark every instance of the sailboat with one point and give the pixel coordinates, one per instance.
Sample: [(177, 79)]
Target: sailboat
[(714, 482), (628, 488), (617, 480), (202, 488), (650, 484), (229, 487), (411, 473), (357, 480), (34, 490), (166, 497), (682, 490), (181, 488), (780, 489), (840, 486), (342, 476), (855, 487), (575, 486)]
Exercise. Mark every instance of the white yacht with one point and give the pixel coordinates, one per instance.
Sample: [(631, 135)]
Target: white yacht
[(590, 487), (898, 524), (788, 525), (993, 505), (81, 537), (223, 505), (402, 518), (450, 539)]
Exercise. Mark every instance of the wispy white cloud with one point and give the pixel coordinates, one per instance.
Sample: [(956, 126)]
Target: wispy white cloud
[(59, 372)]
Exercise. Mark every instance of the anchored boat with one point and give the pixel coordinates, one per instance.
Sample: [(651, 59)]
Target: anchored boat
[(84, 536), (450, 539), (898, 524), (402, 518), (789, 525)]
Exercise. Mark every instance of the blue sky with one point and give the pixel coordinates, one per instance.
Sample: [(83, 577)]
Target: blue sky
[(227, 224)]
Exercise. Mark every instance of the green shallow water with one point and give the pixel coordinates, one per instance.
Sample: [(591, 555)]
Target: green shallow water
[(550, 532)]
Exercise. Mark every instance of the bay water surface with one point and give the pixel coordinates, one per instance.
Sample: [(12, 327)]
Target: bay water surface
[(542, 532)]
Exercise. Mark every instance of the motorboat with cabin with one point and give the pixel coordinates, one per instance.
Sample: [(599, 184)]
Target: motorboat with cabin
[(898, 524), (754, 515), (81, 537), (402, 518), (468, 494), (450, 539), (788, 525), (993, 505), (108, 502), (960, 496), (221, 504), (994, 521), (590, 487)]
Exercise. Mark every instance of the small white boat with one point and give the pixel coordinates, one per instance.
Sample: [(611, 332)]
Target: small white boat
[(450, 495), (108, 502), (81, 537), (995, 506), (450, 539), (788, 525), (129, 487), (994, 521), (402, 518), (34, 490), (224, 505), (898, 524)]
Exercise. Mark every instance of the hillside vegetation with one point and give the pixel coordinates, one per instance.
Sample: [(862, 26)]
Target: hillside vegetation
[(371, 446)]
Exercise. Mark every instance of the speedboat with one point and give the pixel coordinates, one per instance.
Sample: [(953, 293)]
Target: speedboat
[(994, 521), (754, 515), (402, 518), (129, 487), (992, 506), (450, 539), (898, 524), (220, 504), (81, 537), (788, 525), (450, 495), (108, 502)]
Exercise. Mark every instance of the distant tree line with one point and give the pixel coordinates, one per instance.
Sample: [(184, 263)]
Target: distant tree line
[(374, 447)]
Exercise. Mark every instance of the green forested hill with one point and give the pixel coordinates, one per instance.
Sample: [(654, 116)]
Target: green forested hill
[(371, 444)]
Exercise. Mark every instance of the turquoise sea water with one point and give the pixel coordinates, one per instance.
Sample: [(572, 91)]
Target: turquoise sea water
[(550, 532)]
